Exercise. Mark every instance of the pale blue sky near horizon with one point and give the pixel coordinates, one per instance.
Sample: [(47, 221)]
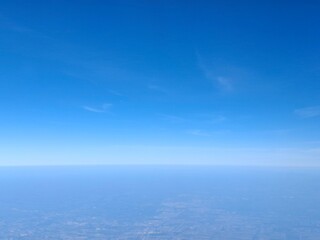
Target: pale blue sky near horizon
[(160, 82)]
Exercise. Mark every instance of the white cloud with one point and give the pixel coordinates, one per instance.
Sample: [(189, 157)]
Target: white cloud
[(104, 108), (174, 119), (158, 88), (198, 132), (217, 119), (308, 112), (116, 93), (195, 118), (225, 83)]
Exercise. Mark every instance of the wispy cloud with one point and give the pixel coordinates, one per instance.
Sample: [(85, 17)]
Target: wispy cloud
[(10, 25), (217, 119), (278, 131), (195, 118), (104, 108), (173, 118), (208, 133), (116, 93), (198, 132), (223, 81), (308, 112), (16, 27), (157, 88)]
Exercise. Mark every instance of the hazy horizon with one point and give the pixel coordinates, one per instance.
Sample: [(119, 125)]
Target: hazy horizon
[(149, 202)]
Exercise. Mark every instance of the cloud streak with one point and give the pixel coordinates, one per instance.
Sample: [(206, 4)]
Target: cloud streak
[(157, 88), (223, 82), (196, 118), (104, 108), (217, 119), (198, 132), (308, 112), (174, 119)]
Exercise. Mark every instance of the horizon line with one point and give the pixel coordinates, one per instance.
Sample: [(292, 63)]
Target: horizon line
[(161, 165)]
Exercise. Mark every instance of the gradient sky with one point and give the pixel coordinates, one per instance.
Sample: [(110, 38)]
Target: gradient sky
[(159, 82)]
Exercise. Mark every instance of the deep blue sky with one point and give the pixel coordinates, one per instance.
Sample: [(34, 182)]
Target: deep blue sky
[(169, 82)]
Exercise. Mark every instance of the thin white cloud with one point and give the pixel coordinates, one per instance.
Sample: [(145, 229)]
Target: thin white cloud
[(308, 112), (196, 118), (173, 118), (312, 142), (217, 119), (116, 93), (278, 131), (104, 108), (16, 27), (198, 132), (158, 88), (225, 83), (13, 26)]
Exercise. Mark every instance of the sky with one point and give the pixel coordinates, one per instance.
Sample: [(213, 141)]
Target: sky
[(160, 82)]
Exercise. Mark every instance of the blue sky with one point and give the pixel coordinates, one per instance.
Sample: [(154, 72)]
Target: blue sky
[(159, 82)]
